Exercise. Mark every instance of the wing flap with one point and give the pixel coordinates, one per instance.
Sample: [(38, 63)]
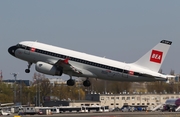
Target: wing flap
[(67, 66)]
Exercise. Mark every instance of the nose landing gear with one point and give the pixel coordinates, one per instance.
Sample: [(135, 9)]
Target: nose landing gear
[(29, 66)]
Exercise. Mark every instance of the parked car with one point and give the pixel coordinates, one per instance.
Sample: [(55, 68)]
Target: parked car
[(139, 109), (116, 109), (128, 109), (125, 109), (21, 113)]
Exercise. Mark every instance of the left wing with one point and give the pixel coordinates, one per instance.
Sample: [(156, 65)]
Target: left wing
[(67, 67)]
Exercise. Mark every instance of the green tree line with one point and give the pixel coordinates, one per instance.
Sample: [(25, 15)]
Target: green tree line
[(41, 85)]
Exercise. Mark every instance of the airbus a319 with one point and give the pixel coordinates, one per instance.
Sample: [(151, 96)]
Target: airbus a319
[(55, 61)]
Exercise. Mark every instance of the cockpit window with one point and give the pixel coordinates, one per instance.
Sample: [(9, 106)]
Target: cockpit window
[(19, 45)]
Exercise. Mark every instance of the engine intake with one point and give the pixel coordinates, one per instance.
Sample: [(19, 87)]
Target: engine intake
[(49, 69)]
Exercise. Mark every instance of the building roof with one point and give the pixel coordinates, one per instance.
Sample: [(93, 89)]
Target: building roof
[(26, 82)]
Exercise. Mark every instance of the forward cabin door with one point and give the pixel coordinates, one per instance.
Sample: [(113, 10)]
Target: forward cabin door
[(30, 54), (28, 49), (126, 71)]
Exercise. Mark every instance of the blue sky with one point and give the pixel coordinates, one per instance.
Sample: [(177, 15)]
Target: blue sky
[(122, 30)]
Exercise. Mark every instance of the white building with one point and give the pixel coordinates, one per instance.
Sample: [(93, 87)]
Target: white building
[(119, 100), (57, 81)]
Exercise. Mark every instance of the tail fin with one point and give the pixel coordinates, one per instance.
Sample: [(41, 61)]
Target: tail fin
[(154, 58)]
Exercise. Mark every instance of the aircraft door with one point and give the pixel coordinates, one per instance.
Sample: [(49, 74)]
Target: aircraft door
[(28, 49), (126, 71), (30, 54)]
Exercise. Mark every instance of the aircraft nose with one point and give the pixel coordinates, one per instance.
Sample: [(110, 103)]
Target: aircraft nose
[(12, 50)]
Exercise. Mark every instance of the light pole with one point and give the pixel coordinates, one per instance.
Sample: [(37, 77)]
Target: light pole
[(39, 93), (105, 87), (21, 91), (36, 92), (15, 76), (79, 93)]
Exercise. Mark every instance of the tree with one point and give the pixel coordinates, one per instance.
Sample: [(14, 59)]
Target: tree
[(6, 93), (107, 86), (117, 87), (172, 72), (45, 87)]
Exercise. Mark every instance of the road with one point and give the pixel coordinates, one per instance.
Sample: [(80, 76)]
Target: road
[(113, 114)]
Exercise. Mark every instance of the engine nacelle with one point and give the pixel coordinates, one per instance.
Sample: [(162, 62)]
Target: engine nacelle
[(47, 69)]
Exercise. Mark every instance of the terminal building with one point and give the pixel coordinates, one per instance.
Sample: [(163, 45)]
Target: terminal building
[(119, 100), (149, 101)]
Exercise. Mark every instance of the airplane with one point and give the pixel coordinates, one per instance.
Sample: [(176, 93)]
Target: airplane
[(53, 60), (173, 102)]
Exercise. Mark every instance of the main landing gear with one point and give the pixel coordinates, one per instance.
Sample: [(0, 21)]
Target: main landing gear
[(29, 66), (87, 83), (71, 82)]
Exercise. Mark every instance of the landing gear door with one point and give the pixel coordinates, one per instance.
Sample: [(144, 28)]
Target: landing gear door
[(28, 49)]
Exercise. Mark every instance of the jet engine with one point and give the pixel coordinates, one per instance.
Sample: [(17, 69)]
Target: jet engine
[(48, 69)]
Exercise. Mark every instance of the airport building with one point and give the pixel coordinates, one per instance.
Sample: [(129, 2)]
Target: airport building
[(149, 101), (26, 82), (119, 100)]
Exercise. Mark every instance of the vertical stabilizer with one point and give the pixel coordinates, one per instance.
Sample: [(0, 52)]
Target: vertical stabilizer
[(154, 58)]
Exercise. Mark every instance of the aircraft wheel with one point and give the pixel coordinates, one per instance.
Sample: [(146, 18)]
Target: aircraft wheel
[(70, 82), (87, 83), (27, 70)]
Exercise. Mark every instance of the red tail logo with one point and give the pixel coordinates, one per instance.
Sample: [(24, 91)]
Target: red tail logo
[(156, 56)]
